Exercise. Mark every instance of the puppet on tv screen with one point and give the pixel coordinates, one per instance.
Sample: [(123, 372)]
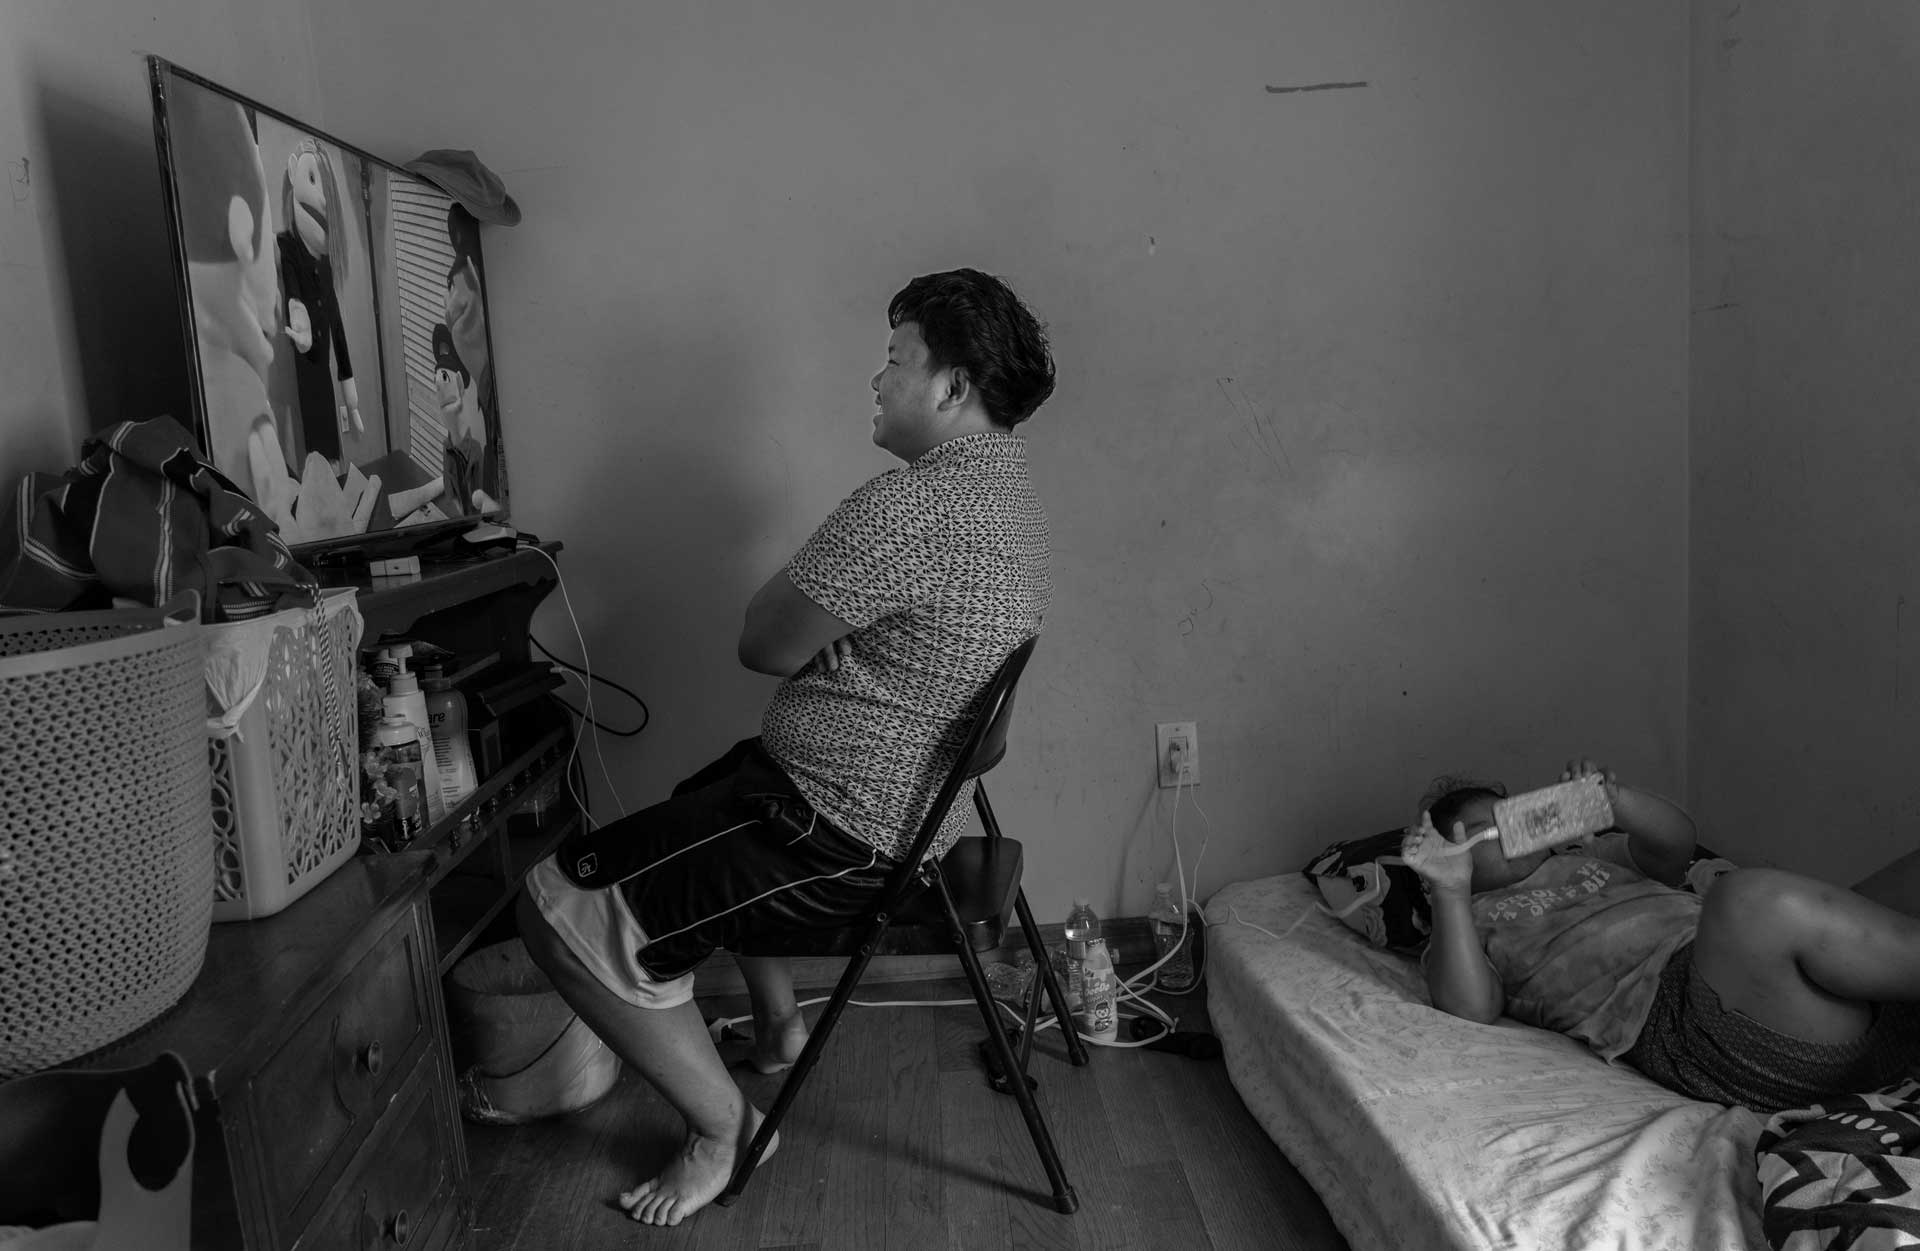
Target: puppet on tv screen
[(298, 254), (225, 231), (459, 399), (236, 316), (313, 251), (471, 475)]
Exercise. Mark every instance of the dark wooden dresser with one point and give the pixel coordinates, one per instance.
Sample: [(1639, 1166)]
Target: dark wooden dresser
[(318, 1046), (316, 1038)]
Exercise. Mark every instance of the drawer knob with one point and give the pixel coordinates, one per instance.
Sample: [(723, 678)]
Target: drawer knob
[(371, 1058), (399, 1228)]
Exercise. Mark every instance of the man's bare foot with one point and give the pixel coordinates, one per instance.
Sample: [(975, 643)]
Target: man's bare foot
[(695, 1176)]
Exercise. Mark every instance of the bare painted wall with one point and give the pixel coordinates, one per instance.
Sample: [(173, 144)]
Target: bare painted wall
[(1368, 450), (1369, 447), (1805, 638)]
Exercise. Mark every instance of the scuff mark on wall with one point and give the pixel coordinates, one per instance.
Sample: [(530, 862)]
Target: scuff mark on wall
[(20, 175), (1186, 622), (1258, 424), (1723, 56), (1281, 91)]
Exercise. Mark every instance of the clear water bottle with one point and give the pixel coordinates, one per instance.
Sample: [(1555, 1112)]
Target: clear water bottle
[(1083, 927), (1173, 940)]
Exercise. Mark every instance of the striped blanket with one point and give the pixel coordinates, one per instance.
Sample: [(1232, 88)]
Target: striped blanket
[(142, 517)]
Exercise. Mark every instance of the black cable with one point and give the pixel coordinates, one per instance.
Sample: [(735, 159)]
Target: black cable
[(646, 713), (596, 724)]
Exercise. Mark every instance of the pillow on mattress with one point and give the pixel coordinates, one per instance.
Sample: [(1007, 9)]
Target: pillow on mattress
[(1365, 883)]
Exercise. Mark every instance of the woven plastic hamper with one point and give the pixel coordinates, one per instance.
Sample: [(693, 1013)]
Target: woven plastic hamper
[(286, 780), (106, 867)]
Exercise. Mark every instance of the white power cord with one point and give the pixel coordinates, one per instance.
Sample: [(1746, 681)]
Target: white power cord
[(1148, 978), (586, 665)]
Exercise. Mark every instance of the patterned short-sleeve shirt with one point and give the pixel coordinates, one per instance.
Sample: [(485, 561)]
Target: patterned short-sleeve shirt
[(941, 568)]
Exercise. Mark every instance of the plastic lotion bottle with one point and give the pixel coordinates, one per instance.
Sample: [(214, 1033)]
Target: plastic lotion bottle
[(394, 783), (405, 700), (452, 753), (1171, 935)]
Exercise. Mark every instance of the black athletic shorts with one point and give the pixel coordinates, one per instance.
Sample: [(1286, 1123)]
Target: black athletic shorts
[(736, 852)]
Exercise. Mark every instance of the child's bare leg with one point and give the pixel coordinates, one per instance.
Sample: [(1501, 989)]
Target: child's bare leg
[(779, 1031), (671, 1048), (1805, 957), (1897, 885)]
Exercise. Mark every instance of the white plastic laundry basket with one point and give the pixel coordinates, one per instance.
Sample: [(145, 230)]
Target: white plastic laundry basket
[(106, 870)]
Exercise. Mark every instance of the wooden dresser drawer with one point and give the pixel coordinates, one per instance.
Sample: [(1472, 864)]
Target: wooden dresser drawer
[(317, 1095), (403, 1180)]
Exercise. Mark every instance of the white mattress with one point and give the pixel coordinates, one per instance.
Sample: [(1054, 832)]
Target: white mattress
[(1420, 1129)]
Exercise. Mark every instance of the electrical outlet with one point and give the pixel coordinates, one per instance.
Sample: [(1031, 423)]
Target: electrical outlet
[(1185, 734)]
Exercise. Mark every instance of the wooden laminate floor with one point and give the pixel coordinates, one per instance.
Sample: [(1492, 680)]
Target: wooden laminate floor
[(897, 1141)]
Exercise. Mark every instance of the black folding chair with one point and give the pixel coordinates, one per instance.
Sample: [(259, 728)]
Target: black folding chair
[(963, 903)]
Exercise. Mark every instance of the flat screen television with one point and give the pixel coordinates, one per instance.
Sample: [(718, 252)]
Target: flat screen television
[(343, 370)]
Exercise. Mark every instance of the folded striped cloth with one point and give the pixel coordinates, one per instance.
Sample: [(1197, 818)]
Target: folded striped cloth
[(142, 517)]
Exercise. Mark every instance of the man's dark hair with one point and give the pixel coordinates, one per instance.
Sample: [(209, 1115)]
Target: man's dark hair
[(973, 321), (1447, 796)]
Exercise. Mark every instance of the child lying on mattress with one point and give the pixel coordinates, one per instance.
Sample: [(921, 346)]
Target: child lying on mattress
[(1774, 991)]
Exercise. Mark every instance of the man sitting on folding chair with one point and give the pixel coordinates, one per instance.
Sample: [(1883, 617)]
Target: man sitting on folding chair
[(887, 626)]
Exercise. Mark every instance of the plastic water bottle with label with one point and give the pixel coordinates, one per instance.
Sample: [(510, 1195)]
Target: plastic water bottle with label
[(1174, 936), (1091, 988), (1082, 927), (1100, 1018)]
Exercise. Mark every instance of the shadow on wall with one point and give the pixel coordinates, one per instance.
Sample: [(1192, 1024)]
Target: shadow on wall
[(649, 443), (118, 264), (672, 422), (651, 454)]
